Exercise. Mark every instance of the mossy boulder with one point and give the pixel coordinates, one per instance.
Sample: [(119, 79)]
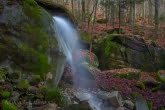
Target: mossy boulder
[(5, 94), (6, 105), (23, 84), (27, 37), (2, 73), (52, 94), (118, 51), (36, 79)]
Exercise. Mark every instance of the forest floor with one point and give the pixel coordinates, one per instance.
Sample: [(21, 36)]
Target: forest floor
[(144, 30)]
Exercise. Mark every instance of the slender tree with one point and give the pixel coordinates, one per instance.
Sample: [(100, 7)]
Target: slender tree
[(157, 6)]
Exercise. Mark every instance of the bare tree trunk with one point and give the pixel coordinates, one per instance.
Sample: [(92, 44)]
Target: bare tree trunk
[(94, 20), (72, 6), (157, 6), (119, 15)]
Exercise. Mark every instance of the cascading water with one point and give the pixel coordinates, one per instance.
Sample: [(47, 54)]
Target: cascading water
[(67, 37)]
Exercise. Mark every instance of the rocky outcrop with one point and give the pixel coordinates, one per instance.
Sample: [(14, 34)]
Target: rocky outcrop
[(56, 9), (118, 51), (27, 42)]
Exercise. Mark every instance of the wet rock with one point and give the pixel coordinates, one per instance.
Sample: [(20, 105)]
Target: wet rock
[(129, 104), (114, 98), (85, 56)]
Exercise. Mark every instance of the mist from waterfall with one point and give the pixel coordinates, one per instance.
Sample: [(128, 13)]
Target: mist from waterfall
[(68, 39)]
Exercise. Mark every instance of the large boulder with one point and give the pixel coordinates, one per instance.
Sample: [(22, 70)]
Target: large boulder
[(26, 37), (118, 51)]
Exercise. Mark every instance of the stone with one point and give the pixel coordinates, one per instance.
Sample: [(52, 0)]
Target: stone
[(51, 106), (32, 89), (49, 76), (29, 107), (114, 98), (129, 104), (115, 49), (15, 96)]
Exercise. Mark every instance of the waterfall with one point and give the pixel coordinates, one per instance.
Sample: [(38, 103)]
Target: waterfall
[(68, 39)]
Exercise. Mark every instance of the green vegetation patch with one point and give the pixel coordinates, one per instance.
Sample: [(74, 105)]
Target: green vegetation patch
[(6, 105), (5, 94), (52, 94), (23, 84), (34, 61), (35, 79), (3, 72), (86, 36), (32, 10), (128, 75), (37, 37)]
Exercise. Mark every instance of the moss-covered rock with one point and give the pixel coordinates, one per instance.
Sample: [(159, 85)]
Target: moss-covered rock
[(36, 79), (52, 94), (3, 73), (6, 105), (118, 51), (5, 94), (23, 85), (27, 36)]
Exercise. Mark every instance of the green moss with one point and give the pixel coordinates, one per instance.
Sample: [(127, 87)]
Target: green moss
[(35, 79), (6, 105), (128, 75), (150, 104), (161, 108), (52, 94), (86, 36), (23, 84), (35, 61), (37, 37), (141, 84), (3, 72), (5, 94), (103, 49), (160, 78), (32, 10)]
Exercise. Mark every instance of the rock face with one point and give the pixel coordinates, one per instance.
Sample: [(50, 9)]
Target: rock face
[(26, 37), (118, 51)]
